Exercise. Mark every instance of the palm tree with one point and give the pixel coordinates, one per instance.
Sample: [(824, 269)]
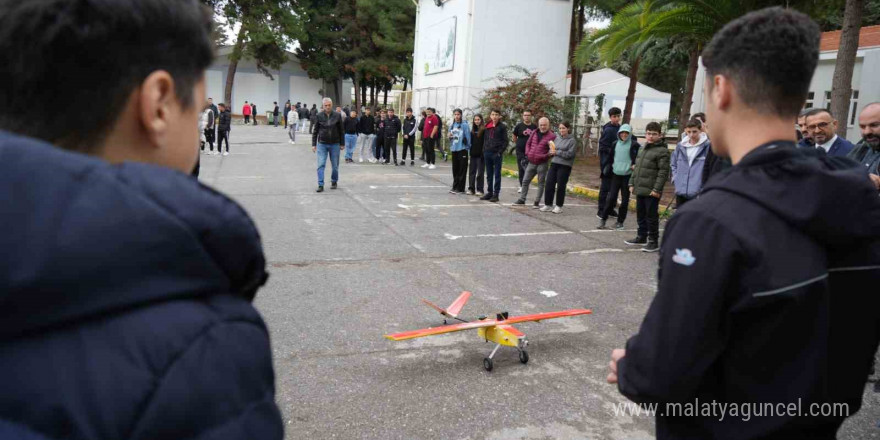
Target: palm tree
[(625, 36)]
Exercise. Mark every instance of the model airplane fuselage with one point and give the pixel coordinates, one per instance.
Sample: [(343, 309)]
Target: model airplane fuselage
[(499, 330)]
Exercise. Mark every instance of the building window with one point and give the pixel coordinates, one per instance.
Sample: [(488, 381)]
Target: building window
[(828, 100), (810, 97), (855, 105)]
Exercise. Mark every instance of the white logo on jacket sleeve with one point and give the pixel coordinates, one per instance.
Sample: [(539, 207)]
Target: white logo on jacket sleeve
[(684, 257)]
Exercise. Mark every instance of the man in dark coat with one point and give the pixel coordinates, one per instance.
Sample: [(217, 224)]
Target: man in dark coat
[(765, 323), (126, 285)]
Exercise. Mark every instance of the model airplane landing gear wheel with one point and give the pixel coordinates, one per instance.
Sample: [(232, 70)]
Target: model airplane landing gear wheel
[(524, 356), (487, 364)]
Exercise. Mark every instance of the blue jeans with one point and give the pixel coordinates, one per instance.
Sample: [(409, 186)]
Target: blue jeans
[(322, 151), (350, 141), (493, 172)]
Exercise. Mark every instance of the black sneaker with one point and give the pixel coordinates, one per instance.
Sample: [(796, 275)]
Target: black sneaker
[(488, 196), (618, 225), (613, 213), (601, 225), (403, 162), (640, 241), (320, 189), (519, 202), (651, 247), (333, 185), (412, 163), (494, 199), (536, 205)]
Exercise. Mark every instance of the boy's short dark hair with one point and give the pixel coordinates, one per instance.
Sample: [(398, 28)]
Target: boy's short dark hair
[(694, 123), (614, 111), (495, 110), (654, 126), (409, 109), (770, 56), (93, 48), (699, 115)]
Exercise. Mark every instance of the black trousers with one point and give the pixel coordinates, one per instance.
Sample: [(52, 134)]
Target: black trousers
[(606, 157), (391, 149), (681, 200), (476, 177), (380, 143), (224, 135), (247, 119), (521, 163), (209, 138), (410, 144), (619, 185), (459, 170), (557, 178), (428, 146), (648, 215)]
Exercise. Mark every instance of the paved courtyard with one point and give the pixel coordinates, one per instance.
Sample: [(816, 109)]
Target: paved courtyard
[(350, 265)]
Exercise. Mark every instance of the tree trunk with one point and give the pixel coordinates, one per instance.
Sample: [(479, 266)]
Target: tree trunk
[(572, 44), (631, 92), (364, 91), (233, 65), (385, 100), (576, 35), (357, 93), (841, 84), (405, 82), (688, 98)]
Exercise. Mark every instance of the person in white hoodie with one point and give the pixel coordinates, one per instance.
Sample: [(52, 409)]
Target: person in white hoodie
[(687, 163)]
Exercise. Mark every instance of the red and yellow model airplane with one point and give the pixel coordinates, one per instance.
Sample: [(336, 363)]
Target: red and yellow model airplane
[(499, 330)]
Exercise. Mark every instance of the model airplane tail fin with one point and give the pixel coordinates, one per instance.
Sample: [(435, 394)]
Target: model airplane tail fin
[(454, 308)]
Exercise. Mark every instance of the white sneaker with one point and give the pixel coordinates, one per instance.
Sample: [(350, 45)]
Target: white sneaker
[(212, 152), (519, 191), (226, 153), (479, 194), (545, 208), (425, 166), (557, 210), (432, 167)]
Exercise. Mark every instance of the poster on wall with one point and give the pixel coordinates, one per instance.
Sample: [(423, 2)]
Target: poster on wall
[(438, 49)]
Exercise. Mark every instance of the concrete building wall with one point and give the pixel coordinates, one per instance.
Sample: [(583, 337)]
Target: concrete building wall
[(289, 82), (490, 34)]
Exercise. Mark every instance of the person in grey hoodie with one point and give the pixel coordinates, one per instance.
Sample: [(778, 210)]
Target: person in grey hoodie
[(687, 163), (560, 168)]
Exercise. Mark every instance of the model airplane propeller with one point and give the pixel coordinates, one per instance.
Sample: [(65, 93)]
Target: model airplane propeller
[(499, 330)]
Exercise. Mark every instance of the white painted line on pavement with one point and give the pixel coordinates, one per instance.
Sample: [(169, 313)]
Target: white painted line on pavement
[(613, 230), (549, 293), (478, 205), (604, 251), (242, 177), (514, 234), (407, 186)]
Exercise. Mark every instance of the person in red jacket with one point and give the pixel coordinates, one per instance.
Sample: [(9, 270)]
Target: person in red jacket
[(538, 155), (246, 111)]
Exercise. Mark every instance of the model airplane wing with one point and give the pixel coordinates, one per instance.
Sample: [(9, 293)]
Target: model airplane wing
[(549, 315), (453, 310), (486, 323), (441, 330)]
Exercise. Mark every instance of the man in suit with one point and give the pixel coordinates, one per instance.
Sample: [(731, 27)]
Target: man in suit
[(822, 127)]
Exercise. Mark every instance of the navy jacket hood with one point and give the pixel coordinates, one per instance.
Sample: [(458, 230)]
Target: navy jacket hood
[(831, 197), (91, 238)]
